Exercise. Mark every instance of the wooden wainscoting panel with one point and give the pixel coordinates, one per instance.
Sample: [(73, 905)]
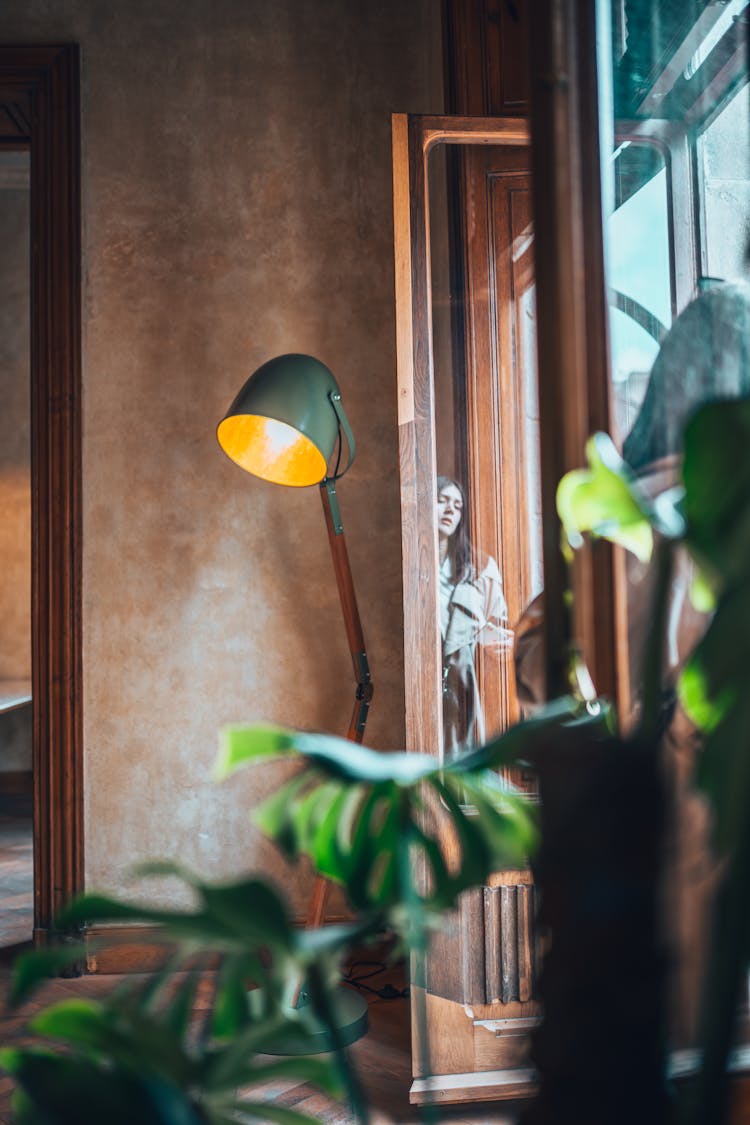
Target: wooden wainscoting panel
[(450, 1045), (503, 1044)]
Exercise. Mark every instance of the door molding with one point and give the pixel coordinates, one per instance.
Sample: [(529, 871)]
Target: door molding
[(467, 1045), (42, 87)]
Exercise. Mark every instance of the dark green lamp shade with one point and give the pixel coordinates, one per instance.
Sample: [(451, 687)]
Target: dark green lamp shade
[(282, 425)]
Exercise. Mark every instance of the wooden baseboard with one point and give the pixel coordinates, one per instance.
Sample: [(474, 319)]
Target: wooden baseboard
[(521, 1082), (124, 949), (482, 1086), (16, 783), (136, 948)]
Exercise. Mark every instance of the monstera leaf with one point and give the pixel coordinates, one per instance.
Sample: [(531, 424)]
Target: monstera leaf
[(124, 1061), (715, 686), (605, 501), (369, 820), (715, 691), (139, 1055), (712, 519)]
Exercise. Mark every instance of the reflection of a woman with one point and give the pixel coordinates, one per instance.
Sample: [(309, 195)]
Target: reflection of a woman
[(472, 612)]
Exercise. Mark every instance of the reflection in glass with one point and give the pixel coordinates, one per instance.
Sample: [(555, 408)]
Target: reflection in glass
[(724, 171), (473, 613), (486, 429), (639, 274), (676, 162)]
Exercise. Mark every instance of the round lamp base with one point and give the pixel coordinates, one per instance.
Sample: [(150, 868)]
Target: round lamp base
[(351, 1020)]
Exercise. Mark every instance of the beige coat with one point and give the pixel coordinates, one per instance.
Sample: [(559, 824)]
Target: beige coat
[(472, 613)]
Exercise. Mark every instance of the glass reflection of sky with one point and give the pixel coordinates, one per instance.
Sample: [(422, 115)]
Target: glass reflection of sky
[(638, 266)]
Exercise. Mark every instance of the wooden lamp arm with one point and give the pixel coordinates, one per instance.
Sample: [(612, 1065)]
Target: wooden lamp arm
[(349, 609), (356, 640)]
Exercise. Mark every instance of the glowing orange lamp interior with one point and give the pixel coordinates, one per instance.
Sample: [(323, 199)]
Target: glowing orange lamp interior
[(272, 450)]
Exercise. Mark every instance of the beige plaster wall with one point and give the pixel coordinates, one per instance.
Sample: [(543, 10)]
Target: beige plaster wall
[(15, 489), (237, 204)]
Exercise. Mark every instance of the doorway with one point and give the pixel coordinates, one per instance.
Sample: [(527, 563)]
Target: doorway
[(16, 788), (468, 422), (39, 113)]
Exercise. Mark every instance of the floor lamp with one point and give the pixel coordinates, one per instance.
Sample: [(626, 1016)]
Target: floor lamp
[(283, 426)]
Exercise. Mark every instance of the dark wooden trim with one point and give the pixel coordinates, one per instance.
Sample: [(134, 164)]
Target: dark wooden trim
[(16, 783), (606, 626), (485, 56), (136, 948), (571, 316), (413, 138), (49, 77)]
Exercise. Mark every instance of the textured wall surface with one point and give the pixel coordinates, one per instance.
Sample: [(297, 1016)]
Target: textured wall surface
[(15, 491), (237, 204)]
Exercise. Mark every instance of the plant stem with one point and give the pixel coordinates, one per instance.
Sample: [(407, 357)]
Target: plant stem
[(320, 1003), (418, 942), (722, 987), (653, 655)]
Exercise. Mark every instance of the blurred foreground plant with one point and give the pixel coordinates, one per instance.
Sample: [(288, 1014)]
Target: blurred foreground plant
[(709, 516), (362, 818), (376, 823)]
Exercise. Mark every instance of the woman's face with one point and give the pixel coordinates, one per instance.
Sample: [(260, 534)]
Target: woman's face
[(450, 508)]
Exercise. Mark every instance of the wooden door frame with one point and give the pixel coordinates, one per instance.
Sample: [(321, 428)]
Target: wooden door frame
[(46, 81), (413, 139)]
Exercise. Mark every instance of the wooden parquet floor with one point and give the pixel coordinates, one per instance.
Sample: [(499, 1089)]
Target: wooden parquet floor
[(382, 1057)]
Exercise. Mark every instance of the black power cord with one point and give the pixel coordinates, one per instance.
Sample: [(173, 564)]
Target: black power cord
[(387, 991)]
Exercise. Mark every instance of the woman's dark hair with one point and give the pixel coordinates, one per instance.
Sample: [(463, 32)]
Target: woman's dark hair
[(459, 545)]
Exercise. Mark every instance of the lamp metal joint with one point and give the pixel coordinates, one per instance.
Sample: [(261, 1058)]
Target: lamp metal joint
[(329, 483), (362, 670)]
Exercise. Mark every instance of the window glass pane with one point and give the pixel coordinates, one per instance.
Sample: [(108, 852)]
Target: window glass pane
[(724, 176), (486, 428), (639, 274), (674, 126)]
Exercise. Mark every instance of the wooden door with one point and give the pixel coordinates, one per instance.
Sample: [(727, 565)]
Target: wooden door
[(469, 406)]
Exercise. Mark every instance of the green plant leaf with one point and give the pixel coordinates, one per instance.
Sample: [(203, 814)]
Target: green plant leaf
[(718, 671), (716, 473), (250, 908), (132, 1039), (177, 1014), (604, 501), (230, 916), (231, 1005), (520, 742), (33, 968), (702, 707), (702, 597), (232, 1065), (339, 757), (62, 1089), (241, 745)]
